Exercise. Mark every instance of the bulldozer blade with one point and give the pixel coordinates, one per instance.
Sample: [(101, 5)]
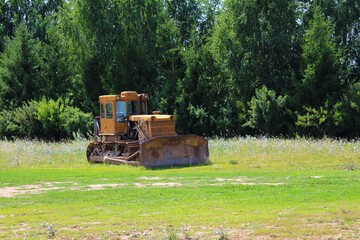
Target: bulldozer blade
[(173, 151)]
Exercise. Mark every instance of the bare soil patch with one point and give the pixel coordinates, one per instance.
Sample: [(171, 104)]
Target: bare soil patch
[(9, 192), (151, 178), (232, 179), (140, 185), (168, 184), (103, 186), (242, 181), (13, 191), (270, 184)]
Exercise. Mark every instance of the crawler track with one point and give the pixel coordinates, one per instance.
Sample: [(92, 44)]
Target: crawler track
[(113, 151)]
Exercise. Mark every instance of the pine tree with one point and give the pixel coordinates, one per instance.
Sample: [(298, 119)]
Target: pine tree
[(321, 64), (20, 69), (320, 87)]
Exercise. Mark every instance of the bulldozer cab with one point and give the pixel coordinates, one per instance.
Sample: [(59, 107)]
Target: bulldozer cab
[(115, 111)]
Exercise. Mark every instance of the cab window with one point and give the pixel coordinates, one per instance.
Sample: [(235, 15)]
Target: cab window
[(102, 109), (121, 111), (143, 106), (133, 107), (109, 111)]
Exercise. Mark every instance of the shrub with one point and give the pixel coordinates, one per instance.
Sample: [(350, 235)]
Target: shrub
[(315, 121), (45, 119), (49, 114), (340, 119), (19, 122), (76, 121), (25, 118), (267, 112), (8, 128), (347, 112), (234, 162)]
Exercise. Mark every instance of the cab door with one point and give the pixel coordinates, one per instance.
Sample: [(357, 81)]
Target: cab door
[(121, 117), (107, 117)]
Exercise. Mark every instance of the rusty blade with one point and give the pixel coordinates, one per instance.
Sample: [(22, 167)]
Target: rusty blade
[(174, 150)]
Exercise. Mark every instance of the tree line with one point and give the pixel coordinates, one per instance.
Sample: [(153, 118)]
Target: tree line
[(232, 67)]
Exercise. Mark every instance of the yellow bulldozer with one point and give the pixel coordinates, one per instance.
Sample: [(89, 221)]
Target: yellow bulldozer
[(125, 133)]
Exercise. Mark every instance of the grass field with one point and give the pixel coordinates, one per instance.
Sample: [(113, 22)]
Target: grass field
[(255, 188)]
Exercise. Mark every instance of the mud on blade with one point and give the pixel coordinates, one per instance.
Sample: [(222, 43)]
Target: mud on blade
[(174, 150)]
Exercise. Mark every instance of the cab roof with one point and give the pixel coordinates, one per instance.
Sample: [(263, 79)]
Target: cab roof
[(127, 95)]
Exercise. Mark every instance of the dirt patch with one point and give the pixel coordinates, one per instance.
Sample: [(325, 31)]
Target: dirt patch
[(8, 192), (140, 185), (175, 178), (163, 184), (52, 183), (231, 179), (221, 179), (273, 184), (168, 184), (13, 191), (92, 223), (103, 186), (217, 184), (270, 184), (242, 181), (248, 183), (150, 178)]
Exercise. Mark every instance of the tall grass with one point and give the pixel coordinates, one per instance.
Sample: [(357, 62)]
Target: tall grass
[(249, 152), (277, 153), (34, 153)]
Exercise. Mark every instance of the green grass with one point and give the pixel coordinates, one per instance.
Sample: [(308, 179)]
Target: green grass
[(254, 188)]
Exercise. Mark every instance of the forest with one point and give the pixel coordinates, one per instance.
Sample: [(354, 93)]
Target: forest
[(224, 67)]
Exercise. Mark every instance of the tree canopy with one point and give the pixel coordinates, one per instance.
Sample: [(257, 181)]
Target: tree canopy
[(232, 67)]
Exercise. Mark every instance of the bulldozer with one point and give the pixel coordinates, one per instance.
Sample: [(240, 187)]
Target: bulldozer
[(125, 133)]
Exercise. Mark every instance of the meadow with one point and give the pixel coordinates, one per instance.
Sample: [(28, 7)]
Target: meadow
[(255, 188)]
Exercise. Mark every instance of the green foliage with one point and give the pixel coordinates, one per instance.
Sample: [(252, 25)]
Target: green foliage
[(20, 75), (234, 162), (119, 46), (201, 60), (347, 113), (2, 37), (58, 69), (253, 42), (316, 121), (49, 114), (32, 14), (26, 120), (320, 87), (44, 119), (267, 113), (20, 122), (340, 119), (7, 127), (346, 18), (321, 64), (77, 121)]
